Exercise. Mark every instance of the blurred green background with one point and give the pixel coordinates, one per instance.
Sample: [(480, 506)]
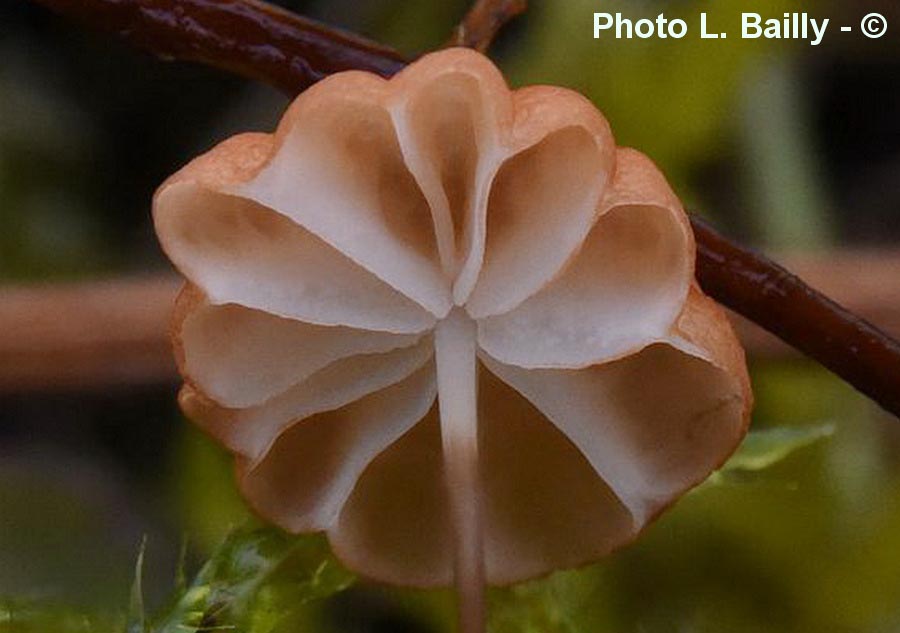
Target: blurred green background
[(788, 147)]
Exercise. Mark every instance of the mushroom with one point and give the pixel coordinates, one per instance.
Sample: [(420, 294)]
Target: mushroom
[(450, 325)]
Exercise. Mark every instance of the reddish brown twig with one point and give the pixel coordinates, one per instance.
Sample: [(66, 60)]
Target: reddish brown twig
[(779, 301), (260, 42), (483, 22), (115, 332), (86, 335), (247, 37)]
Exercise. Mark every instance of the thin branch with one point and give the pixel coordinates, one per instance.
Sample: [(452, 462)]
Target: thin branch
[(261, 42), (767, 294), (86, 335), (483, 22), (115, 333), (247, 37)]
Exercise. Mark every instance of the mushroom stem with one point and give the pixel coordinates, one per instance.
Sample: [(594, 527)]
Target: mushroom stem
[(457, 397)]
